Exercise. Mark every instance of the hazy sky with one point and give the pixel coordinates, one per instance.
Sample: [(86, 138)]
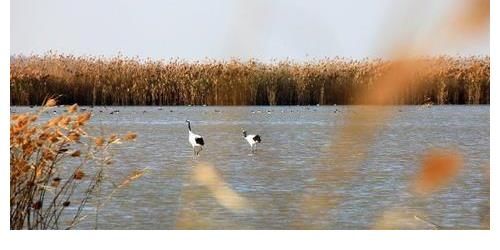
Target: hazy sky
[(230, 28)]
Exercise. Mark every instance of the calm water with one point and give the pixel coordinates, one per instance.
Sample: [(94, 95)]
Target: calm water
[(294, 146)]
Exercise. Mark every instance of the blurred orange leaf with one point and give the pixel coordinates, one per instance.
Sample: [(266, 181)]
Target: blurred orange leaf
[(438, 168)]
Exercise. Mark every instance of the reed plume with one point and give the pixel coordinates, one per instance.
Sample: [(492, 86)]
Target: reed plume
[(49, 162)]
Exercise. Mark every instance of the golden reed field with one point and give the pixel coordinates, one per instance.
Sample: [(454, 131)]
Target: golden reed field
[(131, 81)]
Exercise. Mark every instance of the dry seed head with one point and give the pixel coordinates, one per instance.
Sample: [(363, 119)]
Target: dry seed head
[(59, 133), (78, 175), (54, 138), (73, 108), (133, 176), (99, 141), (83, 118), (129, 136), (136, 174), (54, 121), (64, 121), (50, 102), (73, 136), (113, 139), (48, 155), (80, 131), (22, 120)]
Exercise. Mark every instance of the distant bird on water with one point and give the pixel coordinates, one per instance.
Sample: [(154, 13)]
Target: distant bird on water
[(195, 140), (252, 140)]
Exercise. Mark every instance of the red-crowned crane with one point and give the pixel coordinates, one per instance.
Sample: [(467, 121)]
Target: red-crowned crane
[(195, 140), (252, 140)]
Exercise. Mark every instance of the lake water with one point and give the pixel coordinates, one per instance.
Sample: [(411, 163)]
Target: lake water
[(280, 181)]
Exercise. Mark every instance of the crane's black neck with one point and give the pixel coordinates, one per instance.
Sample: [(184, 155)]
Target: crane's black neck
[(244, 133), (189, 126)]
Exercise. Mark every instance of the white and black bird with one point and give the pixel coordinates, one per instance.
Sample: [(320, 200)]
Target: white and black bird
[(252, 140), (195, 140)]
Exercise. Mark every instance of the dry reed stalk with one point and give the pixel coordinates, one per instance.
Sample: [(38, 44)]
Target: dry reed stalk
[(49, 161)]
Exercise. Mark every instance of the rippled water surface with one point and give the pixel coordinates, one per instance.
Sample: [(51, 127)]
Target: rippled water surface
[(284, 170)]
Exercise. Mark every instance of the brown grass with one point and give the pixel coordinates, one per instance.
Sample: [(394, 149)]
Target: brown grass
[(49, 162)]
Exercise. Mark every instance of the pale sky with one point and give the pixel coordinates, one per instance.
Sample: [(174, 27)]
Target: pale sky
[(222, 29)]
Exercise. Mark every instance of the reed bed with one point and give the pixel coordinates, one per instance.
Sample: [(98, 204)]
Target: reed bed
[(57, 168), (131, 81)]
